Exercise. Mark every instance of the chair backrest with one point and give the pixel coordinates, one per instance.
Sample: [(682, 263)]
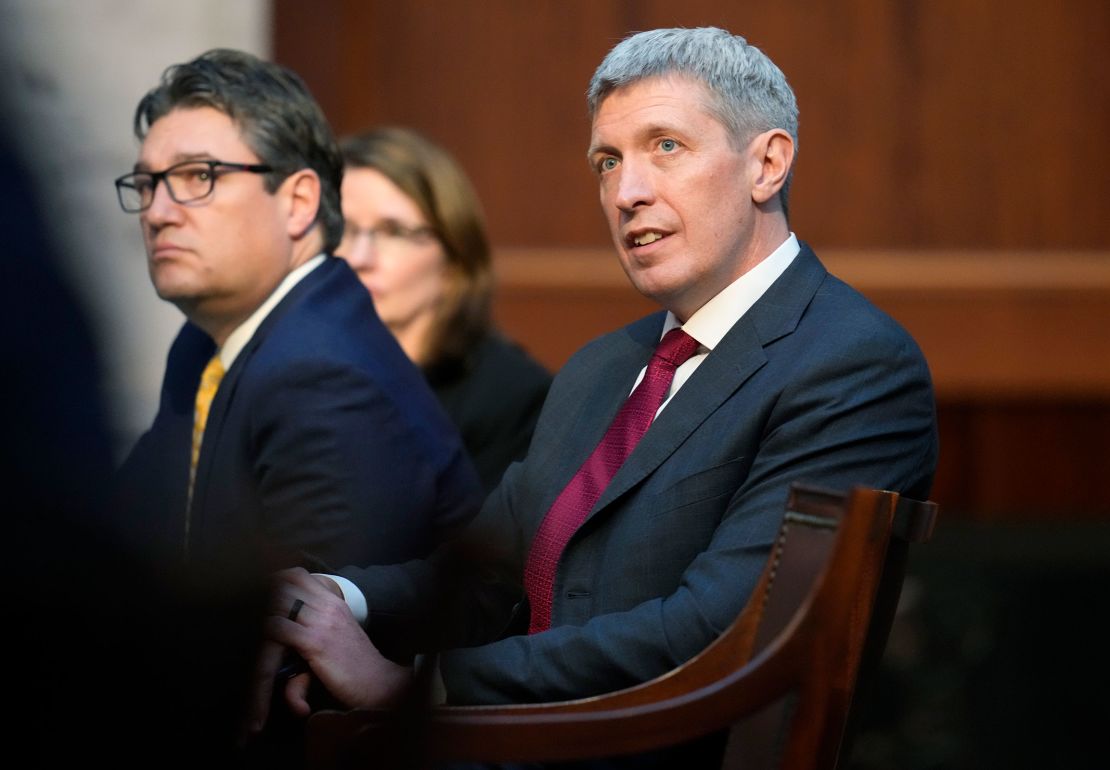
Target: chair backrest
[(761, 740), (787, 666)]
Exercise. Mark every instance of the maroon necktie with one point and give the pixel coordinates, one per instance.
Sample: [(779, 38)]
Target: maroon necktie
[(579, 496)]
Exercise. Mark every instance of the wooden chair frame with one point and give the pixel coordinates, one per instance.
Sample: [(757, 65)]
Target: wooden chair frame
[(787, 666)]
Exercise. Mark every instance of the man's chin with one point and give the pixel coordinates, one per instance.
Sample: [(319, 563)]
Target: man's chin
[(169, 281), (170, 293), (180, 297), (652, 284)]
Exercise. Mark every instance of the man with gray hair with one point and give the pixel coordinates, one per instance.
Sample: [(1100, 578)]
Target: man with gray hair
[(635, 529)]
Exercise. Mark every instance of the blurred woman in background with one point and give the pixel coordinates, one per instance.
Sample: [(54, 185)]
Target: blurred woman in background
[(415, 234)]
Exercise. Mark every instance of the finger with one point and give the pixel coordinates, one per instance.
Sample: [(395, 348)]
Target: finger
[(258, 705), (283, 597), (290, 573), (286, 632), (291, 600), (314, 587), (330, 586), (286, 577), (296, 694), (295, 609)]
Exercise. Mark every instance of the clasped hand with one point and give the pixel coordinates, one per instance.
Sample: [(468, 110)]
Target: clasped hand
[(335, 648)]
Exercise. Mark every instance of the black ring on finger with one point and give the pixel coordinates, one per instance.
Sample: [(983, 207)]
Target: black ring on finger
[(295, 610)]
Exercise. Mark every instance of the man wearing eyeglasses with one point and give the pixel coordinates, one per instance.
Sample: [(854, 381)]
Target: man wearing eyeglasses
[(292, 428)]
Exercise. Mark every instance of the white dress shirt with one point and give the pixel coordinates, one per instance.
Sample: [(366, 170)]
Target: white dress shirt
[(712, 321)]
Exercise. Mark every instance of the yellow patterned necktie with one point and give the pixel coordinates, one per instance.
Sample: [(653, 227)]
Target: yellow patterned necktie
[(209, 384)]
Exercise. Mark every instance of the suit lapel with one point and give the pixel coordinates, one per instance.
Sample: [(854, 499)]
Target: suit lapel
[(221, 404), (188, 356), (739, 355), (612, 377)]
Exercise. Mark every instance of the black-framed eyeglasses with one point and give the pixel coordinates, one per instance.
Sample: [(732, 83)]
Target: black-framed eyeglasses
[(185, 182), (388, 230)]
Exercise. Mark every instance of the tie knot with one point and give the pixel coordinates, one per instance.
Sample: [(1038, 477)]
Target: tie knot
[(213, 373), (676, 347)]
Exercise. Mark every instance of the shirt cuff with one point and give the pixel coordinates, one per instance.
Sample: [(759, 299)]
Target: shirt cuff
[(352, 596)]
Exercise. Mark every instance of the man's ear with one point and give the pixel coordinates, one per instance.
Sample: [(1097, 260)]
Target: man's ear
[(773, 154), (302, 192)]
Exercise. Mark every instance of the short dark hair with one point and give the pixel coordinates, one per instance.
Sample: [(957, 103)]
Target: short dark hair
[(280, 120), (435, 182)]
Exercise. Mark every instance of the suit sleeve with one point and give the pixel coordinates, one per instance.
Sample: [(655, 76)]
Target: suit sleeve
[(466, 593), (860, 414), (348, 475)]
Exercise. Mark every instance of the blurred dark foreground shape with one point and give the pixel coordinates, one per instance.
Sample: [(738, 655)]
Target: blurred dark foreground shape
[(114, 660)]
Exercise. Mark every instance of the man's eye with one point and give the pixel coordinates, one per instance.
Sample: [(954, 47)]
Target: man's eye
[(607, 164), (192, 174), (668, 145)]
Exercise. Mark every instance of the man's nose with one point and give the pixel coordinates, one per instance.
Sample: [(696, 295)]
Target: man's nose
[(162, 208), (634, 186)]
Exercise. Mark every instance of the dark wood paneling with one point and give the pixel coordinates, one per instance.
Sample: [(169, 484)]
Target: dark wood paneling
[(974, 126), (947, 124), (500, 84), (1024, 459), (993, 325)]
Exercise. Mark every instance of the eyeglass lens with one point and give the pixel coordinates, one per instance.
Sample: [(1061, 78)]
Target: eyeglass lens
[(388, 230), (185, 183)]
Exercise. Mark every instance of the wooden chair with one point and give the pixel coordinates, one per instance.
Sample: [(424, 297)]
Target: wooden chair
[(780, 678)]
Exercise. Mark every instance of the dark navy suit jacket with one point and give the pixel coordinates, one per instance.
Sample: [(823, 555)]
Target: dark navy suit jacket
[(323, 446), (812, 384)]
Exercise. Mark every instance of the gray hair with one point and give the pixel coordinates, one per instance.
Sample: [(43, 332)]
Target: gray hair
[(749, 94)]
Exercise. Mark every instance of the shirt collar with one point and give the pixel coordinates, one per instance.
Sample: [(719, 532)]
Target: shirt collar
[(711, 322), (242, 334)]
